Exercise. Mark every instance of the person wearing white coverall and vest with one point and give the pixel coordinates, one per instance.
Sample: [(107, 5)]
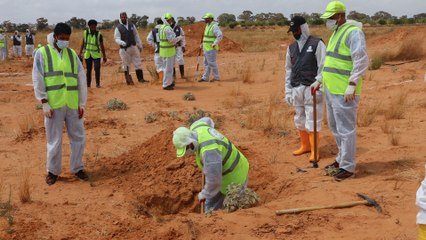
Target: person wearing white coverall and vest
[(29, 43), (127, 36), (304, 62), (94, 50), (180, 49), (168, 41), (60, 85), (345, 63), (17, 42), (421, 215), (221, 162), (3, 45), (211, 39), (153, 40)]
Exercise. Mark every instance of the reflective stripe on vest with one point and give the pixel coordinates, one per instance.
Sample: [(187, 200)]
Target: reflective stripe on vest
[(209, 38), (60, 77), (92, 45), (338, 63), (167, 49), (234, 164)]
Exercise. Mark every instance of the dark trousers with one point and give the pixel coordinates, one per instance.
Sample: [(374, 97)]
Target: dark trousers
[(97, 62)]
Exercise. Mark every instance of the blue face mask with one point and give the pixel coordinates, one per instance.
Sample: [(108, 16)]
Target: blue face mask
[(62, 44)]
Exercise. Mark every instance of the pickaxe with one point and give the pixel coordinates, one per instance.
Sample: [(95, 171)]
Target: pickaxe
[(367, 201)]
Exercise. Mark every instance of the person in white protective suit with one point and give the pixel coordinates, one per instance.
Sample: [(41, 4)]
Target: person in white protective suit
[(180, 49), (60, 85), (221, 162), (29, 43), (304, 62), (211, 39), (17, 42), (421, 215), (3, 45), (153, 40), (168, 41), (127, 36), (345, 63)]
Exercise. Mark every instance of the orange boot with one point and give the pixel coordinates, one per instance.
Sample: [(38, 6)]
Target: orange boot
[(311, 140), (160, 76), (304, 144)]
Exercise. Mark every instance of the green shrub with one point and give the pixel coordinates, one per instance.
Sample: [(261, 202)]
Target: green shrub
[(116, 105)]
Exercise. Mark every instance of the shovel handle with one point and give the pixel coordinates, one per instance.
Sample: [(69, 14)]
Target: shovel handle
[(202, 187), (341, 205)]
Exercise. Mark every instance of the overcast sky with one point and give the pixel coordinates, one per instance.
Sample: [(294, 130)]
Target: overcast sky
[(27, 11)]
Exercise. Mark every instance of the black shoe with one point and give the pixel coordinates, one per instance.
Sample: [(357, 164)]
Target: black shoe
[(82, 175), (215, 80), (170, 87), (173, 84), (51, 178), (143, 81), (98, 86), (335, 164), (342, 175), (202, 80)]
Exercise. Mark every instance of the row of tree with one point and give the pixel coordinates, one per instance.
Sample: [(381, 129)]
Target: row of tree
[(246, 18)]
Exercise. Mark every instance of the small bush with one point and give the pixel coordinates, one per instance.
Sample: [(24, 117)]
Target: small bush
[(237, 198), (150, 117), (195, 115), (116, 105), (376, 63), (174, 115), (367, 116), (188, 96), (39, 106), (394, 137)]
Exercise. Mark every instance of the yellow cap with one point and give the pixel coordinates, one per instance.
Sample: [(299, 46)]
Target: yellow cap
[(167, 16), (333, 8), (208, 15), (181, 139)]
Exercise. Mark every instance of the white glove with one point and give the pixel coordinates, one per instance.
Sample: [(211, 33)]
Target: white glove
[(350, 93), (179, 38), (315, 86), (214, 45), (201, 197), (288, 99), (48, 112), (123, 44)]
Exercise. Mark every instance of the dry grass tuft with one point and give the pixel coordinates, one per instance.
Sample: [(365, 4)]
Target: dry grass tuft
[(26, 128), (367, 115), (247, 75), (397, 106), (376, 63), (270, 117), (386, 127), (394, 137), (24, 186), (153, 73), (189, 96)]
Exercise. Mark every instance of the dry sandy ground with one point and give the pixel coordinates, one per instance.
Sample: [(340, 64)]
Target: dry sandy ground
[(139, 190)]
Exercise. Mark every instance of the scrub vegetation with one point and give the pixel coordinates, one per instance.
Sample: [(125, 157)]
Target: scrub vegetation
[(116, 105), (236, 198), (24, 186)]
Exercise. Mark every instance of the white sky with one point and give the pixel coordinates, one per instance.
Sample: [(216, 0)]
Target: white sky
[(27, 11)]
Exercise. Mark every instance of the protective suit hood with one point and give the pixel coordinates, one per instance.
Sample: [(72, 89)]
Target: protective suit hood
[(355, 23), (305, 31)]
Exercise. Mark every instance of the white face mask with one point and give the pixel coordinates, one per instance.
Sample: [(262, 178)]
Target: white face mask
[(331, 24), (62, 44)]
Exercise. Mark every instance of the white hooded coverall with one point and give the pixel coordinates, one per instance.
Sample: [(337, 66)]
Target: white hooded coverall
[(157, 59), (132, 53), (342, 115), (301, 96), (211, 56), (55, 125)]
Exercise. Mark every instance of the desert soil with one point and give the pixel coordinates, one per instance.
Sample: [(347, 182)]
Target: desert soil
[(140, 190)]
